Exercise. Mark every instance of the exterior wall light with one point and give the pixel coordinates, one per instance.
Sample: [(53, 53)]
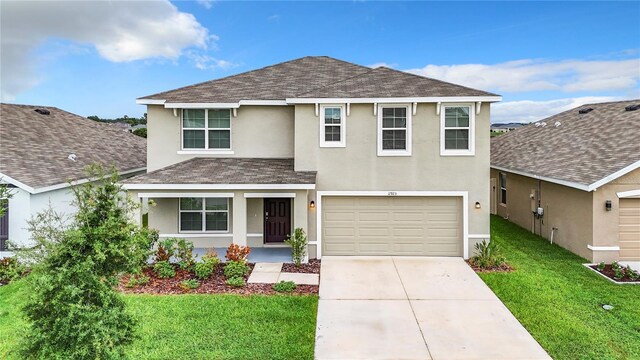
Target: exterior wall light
[(607, 205), (312, 204), (477, 205)]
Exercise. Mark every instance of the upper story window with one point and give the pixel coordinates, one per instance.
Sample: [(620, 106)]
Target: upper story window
[(332, 126), (394, 131), (207, 129), (457, 130), (204, 214), (503, 188)]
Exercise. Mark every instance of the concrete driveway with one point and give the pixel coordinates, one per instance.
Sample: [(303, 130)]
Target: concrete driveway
[(414, 308)]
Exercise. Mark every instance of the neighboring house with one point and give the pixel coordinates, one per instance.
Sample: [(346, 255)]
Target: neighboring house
[(575, 177), (503, 128), (42, 148), (136, 127), (121, 125), (366, 161)]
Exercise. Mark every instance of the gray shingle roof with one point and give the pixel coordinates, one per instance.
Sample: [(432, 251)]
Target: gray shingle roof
[(227, 171), (583, 149), (314, 77), (385, 82), (34, 148)]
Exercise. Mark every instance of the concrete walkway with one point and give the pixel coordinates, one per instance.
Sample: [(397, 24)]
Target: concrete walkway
[(414, 308)]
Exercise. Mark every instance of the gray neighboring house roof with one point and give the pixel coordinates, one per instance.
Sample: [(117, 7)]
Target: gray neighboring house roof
[(35, 148), (586, 150), (314, 77), (218, 171)]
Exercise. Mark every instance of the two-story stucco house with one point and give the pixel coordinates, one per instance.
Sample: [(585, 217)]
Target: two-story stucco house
[(366, 161)]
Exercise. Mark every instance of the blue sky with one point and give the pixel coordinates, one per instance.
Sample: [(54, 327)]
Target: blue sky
[(543, 57)]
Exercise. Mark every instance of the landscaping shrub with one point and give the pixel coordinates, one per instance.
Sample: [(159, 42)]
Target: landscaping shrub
[(166, 250), (137, 280), (236, 252), (632, 274), (601, 266), (488, 256), (10, 268), (73, 309), (236, 281), (618, 273), (189, 284), (298, 242), (184, 254), (284, 286), (204, 269), (234, 269), (615, 265), (164, 269)]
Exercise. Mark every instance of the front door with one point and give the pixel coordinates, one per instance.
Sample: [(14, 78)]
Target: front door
[(277, 220)]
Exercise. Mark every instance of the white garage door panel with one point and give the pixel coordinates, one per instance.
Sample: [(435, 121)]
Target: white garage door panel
[(392, 226), (629, 229)]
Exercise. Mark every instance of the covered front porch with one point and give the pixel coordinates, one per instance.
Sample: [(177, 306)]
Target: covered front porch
[(249, 202)]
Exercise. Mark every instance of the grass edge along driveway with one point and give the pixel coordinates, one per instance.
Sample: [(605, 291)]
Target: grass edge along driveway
[(559, 301), (196, 326)]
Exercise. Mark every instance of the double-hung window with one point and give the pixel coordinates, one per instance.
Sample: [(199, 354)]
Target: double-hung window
[(394, 131), (206, 129), (204, 215), (457, 130), (503, 188), (332, 126)]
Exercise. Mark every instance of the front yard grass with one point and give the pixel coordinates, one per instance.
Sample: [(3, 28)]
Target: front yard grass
[(559, 301), (197, 326)]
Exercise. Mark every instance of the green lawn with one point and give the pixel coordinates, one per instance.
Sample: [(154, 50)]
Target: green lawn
[(198, 326), (559, 301)]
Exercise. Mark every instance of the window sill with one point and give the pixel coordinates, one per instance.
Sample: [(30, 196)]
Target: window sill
[(393, 153), (457, 153), (330, 145), (205, 152), (197, 234)]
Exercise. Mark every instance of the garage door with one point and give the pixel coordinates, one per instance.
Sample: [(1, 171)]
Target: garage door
[(629, 233), (392, 226)]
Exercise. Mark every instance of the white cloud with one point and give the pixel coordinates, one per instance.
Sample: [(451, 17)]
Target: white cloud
[(120, 31), (274, 18), (540, 75), (207, 4), (206, 62), (381, 64), (529, 110)]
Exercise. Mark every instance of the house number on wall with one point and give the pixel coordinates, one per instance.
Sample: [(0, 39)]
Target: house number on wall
[(392, 193)]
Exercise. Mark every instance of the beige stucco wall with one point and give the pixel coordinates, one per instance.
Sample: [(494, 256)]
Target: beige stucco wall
[(257, 132), (358, 167), (567, 209)]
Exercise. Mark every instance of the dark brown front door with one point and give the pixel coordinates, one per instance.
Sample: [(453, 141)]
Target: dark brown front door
[(277, 220)]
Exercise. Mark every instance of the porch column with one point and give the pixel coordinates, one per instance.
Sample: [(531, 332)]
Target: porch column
[(239, 218), (300, 211)]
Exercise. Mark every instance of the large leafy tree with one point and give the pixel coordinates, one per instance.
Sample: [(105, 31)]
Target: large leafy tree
[(74, 311)]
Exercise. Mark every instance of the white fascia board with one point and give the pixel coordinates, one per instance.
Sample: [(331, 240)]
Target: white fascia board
[(269, 195), (179, 195), (629, 194), (574, 185), (201, 105), (394, 100), (615, 175), (219, 186), (150, 102), (16, 183), (263, 102)]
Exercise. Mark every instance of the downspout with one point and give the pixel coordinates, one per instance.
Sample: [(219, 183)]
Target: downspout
[(553, 230)]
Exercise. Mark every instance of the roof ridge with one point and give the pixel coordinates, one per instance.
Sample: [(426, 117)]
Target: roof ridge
[(608, 102)]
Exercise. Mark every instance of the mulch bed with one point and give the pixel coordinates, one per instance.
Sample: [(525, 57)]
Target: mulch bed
[(503, 268), (216, 284), (312, 267), (610, 273)]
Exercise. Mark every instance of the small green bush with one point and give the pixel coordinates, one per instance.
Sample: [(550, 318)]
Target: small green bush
[(204, 269), (298, 242), (615, 265), (618, 273), (10, 268), (236, 281), (233, 269), (184, 254), (632, 274), (284, 286), (137, 280), (601, 266), (189, 284), (164, 269), (488, 256), (166, 249)]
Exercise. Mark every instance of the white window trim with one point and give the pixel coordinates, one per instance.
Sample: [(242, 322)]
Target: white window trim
[(205, 150), (204, 212), (343, 128), (409, 139), (500, 174), (472, 130)]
